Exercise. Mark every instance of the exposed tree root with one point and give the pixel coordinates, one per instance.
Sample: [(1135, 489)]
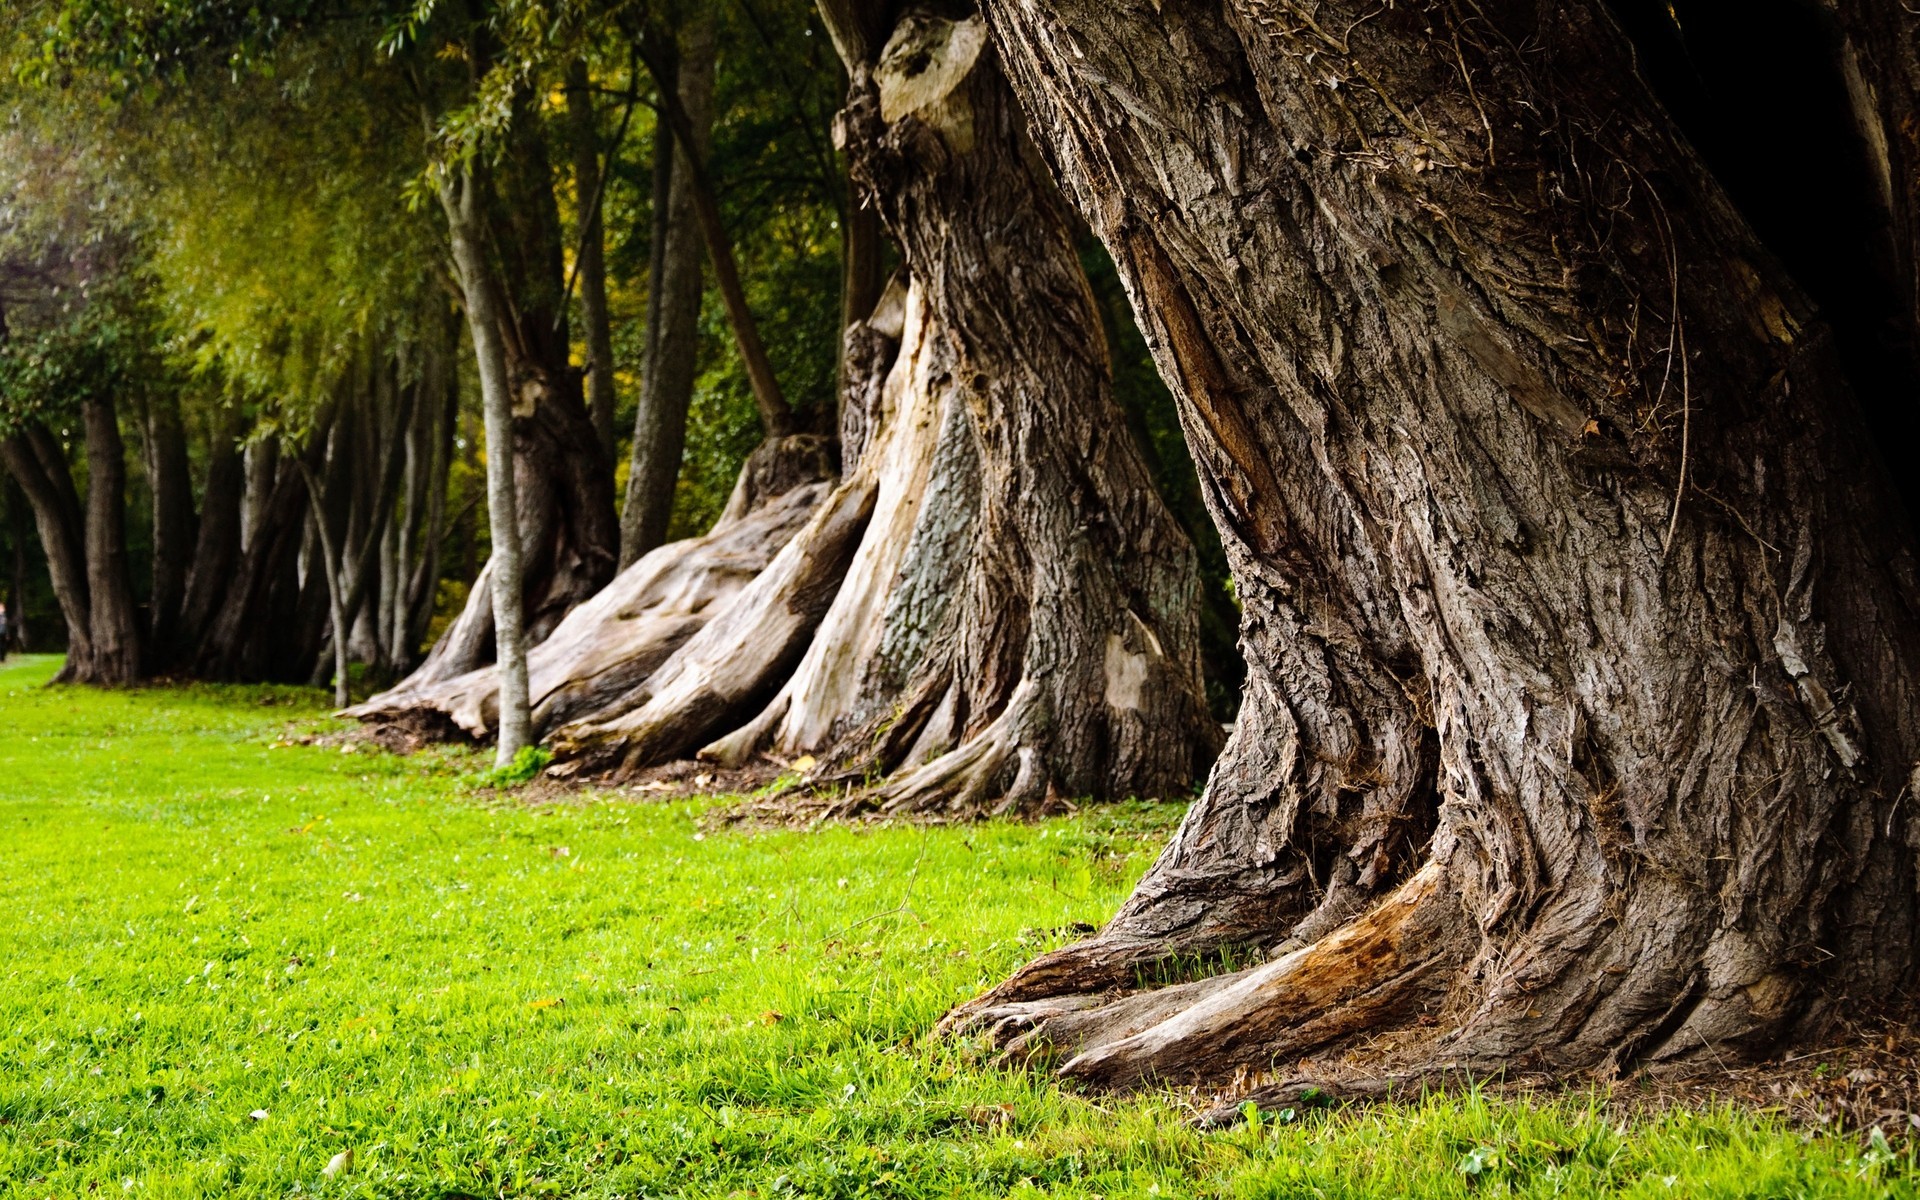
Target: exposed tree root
[(728, 667), (618, 639), (1380, 970)]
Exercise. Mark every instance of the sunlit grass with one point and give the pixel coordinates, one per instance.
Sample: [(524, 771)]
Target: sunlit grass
[(227, 958)]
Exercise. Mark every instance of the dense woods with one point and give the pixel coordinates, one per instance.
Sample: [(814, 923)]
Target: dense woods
[(969, 409)]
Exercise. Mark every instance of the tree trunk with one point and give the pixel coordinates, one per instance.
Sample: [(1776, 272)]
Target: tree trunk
[(113, 618), (262, 628), (503, 574), (992, 606), (217, 548), (37, 464), (583, 130), (1581, 649), (673, 310), (170, 480), (1017, 620), (776, 417), (614, 642)]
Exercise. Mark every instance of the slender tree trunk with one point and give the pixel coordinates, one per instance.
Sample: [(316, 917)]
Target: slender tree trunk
[(775, 414), (462, 203), (332, 570), (442, 388), (673, 311), (1580, 630), (34, 460), (170, 479), (583, 130)]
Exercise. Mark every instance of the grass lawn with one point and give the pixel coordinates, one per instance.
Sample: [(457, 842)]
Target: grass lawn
[(225, 960)]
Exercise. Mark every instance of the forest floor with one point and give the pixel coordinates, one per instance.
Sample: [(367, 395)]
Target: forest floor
[(231, 955)]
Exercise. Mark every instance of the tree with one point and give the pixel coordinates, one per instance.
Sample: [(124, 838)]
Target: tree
[(993, 607), (674, 287), (1578, 609)]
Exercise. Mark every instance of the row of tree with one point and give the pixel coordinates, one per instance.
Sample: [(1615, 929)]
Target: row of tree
[(1539, 422)]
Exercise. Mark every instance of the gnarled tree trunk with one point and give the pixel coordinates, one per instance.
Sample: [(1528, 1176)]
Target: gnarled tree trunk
[(1018, 616), (1579, 622), (992, 607)]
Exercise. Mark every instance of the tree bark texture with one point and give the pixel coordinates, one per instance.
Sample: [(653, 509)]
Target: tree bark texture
[(673, 311), (217, 543), (1581, 648), (1017, 619), (615, 641), (992, 608)]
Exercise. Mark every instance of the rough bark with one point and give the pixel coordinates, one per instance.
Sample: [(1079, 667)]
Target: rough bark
[(1581, 649), (1035, 633), (992, 607), (614, 642), (673, 311)]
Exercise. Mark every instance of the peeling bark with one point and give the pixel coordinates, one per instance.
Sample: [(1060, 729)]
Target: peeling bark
[(1569, 603)]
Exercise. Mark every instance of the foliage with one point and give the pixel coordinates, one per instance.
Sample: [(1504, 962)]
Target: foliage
[(527, 762), (105, 345), (236, 955)]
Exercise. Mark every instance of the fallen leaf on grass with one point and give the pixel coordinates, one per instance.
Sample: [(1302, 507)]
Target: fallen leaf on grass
[(773, 1017), (546, 1002), (339, 1164)]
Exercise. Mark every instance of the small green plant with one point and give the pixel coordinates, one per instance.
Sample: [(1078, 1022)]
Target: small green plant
[(528, 762)]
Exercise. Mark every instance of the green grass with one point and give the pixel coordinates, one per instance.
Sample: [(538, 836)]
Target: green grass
[(203, 923)]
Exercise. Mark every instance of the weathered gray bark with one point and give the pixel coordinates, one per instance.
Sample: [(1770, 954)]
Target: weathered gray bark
[(614, 642), (1580, 633), (673, 310)]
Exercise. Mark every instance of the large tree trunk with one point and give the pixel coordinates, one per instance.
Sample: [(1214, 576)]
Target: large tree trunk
[(1017, 619), (673, 309), (992, 607), (1582, 657), (113, 617)]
